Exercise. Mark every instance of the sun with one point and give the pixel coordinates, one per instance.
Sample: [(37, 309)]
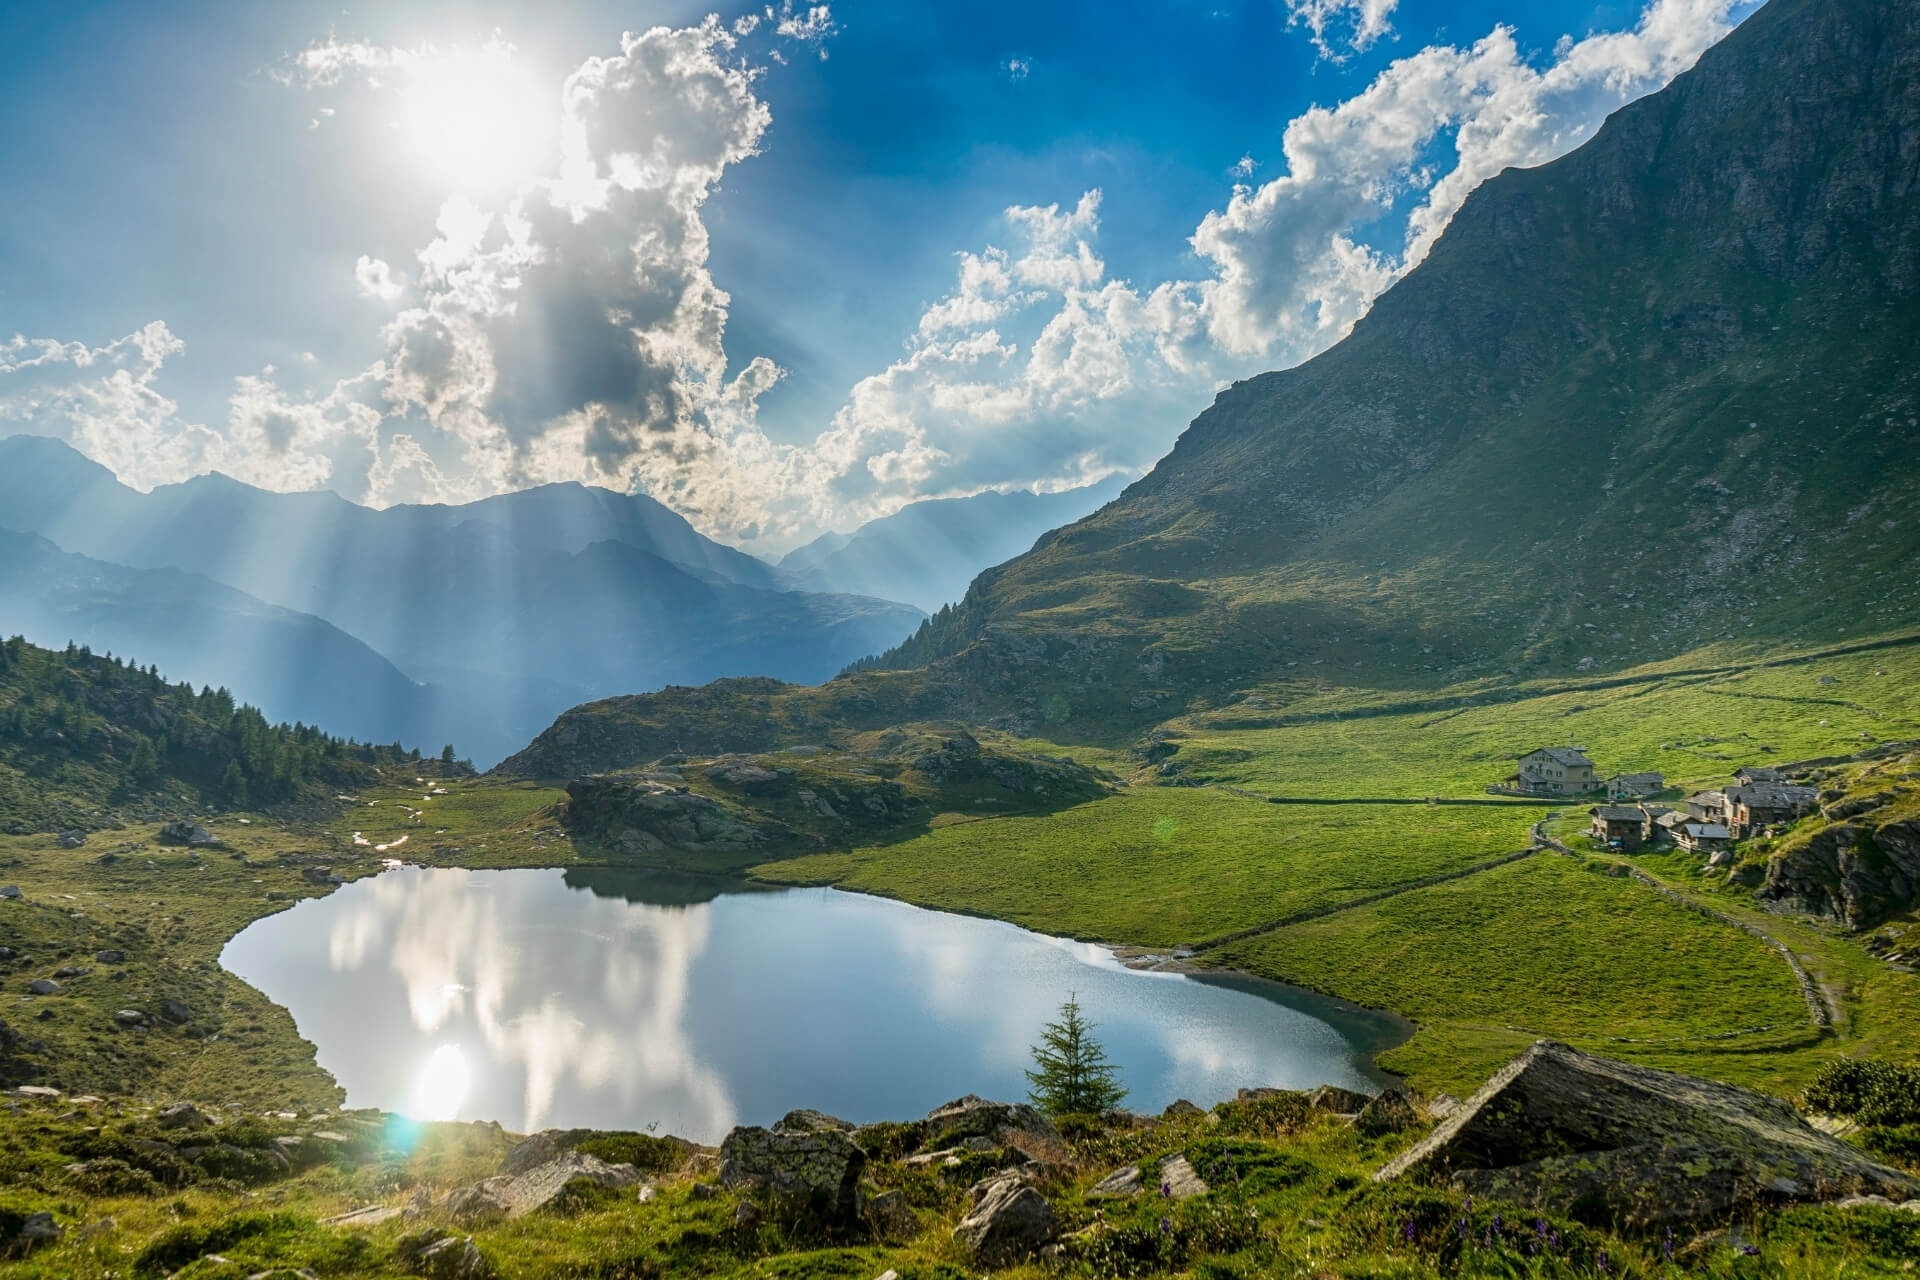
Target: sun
[(475, 119)]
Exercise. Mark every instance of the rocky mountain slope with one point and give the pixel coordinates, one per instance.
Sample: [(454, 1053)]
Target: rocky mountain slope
[(1658, 394), (927, 552)]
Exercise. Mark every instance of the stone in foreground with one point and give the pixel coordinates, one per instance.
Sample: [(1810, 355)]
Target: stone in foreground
[(1009, 1221), (516, 1195), (1561, 1130), (802, 1175)]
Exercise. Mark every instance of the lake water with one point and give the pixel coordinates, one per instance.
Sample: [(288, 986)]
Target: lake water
[(619, 1000)]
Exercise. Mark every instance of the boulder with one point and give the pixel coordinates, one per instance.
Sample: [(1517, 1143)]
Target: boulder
[(187, 833), (174, 1011), (34, 1230), (1181, 1109), (11, 891), (109, 957), (518, 1194), (1122, 1184), (974, 1117), (890, 1218), (130, 1018), (44, 987), (72, 839), (1390, 1112), (182, 1115), (1179, 1181), (806, 1176), (807, 1121), (1563, 1131), (442, 1257), (1009, 1221)]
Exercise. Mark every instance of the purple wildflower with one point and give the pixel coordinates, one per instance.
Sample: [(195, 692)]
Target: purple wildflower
[(1166, 1226), (1461, 1227), (1540, 1228), (1666, 1248), (1600, 1261), (1407, 1232), (1166, 1191), (1751, 1250), (1499, 1225)]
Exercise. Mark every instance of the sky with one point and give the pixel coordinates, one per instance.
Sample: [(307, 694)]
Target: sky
[(783, 268)]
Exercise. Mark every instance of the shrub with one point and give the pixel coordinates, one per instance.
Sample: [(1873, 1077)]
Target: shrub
[(1872, 1092)]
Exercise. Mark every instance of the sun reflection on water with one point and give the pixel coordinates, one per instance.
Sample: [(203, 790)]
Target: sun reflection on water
[(441, 1086)]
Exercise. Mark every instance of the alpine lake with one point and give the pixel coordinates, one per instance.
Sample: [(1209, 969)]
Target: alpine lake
[(631, 1000)]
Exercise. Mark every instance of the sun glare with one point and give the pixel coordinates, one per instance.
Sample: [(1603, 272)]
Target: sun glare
[(440, 1087), (476, 119)]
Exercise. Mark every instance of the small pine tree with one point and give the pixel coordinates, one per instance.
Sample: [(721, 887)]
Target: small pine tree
[(234, 785), (446, 754), (146, 762), (1071, 1073)]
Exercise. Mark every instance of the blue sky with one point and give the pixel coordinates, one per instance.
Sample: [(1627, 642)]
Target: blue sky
[(788, 270)]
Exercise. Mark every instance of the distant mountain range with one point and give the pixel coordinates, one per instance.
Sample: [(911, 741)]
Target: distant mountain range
[(926, 553), (479, 623), (1658, 394)]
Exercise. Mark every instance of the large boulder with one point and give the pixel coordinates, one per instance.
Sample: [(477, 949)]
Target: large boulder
[(1004, 1123), (1009, 1221), (803, 1174), (1564, 1131), (515, 1195), (1848, 872), (187, 833)]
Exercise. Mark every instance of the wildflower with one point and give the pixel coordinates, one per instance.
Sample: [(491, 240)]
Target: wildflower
[(1499, 1225), (1600, 1261), (1407, 1232), (1540, 1228), (1461, 1227), (1166, 1191), (1166, 1226), (1666, 1248), (1750, 1250)]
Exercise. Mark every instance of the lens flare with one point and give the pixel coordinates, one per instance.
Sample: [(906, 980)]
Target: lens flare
[(440, 1087)]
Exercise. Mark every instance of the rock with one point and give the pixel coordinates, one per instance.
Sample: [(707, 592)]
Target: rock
[(183, 1115), (805, 1121), (72, 839), (72, 971), (518, 1194), (371, 1216), (321, 875), (186, 833), (174, 1011), (109, 957), (973, 1117), (803, 1176), (418, 1205), (533, 1151), (1121, 1184), (1556, 1128), (130, 1018), (1341, 1102), (44, 987), (1179, 1181), (34, 1230), (443, 1257), (747, 1216), (1847, 873), (11, 891), (890, 1218), (1181, 1109), (1442, 1105), (1009, 1221), (1391, 1112), (703, 1191)]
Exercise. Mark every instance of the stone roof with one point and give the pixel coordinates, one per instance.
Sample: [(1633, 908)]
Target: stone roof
[(1708, 831), (1562, 755), (1760, 773), (1772, 795), (1617, 813)]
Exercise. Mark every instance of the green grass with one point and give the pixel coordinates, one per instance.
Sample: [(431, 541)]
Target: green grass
[(1291, 1195), (1163, 866), (1693, 729), (1547, 947)]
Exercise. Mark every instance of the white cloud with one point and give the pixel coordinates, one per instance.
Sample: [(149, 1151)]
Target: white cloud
[(1017, 68), (377, 280), (1353, 24), (572, 328)]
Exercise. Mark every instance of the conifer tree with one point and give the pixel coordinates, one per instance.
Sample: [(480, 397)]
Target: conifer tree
[(1071, 1073)]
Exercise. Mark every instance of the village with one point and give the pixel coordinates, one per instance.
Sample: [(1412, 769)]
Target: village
[(1761, 801)]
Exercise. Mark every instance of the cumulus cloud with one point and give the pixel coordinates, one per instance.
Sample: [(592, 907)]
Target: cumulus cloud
[(1341, 27), (571, 328)]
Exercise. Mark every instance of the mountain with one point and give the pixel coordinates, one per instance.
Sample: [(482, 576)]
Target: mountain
[(88, 741), (926, 553), (512, 608), (1658, 394)]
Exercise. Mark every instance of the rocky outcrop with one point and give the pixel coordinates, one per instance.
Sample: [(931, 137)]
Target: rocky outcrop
[(639, 815), (1004, 1123), (188, 834), (1564, 1131), (1391, 1112), (1848, 872), (514, 1195), (803, 1175), (1009, 1221)]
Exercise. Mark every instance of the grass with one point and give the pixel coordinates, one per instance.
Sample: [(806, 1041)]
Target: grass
[(1164, 866), (1693, 729), (1291, 1195), (1547, 947)]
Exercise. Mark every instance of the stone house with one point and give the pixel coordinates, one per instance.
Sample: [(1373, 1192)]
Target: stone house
[(1707, 806), (1758, 773), (1656, 822), (1634, 786), (1703, 837), (1757, 805), (1554, 771), (1619, 824)]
